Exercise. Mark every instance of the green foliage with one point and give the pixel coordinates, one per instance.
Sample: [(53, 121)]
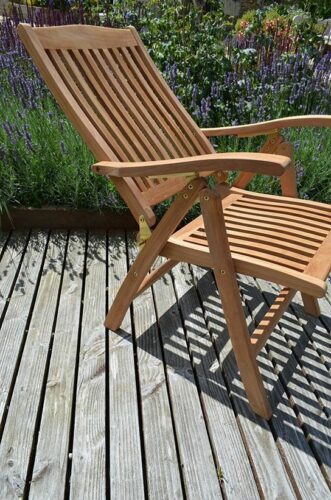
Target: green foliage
[(222, 73), (46, 162)]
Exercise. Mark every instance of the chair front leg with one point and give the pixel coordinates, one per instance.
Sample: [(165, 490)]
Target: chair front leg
[(225, 276), (311, 305), (150, 251)]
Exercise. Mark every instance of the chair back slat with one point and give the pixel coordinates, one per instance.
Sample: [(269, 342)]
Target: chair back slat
[(165, 121), (106, 83), (137, 108), (187, 132), (113, 98), (78, 36)]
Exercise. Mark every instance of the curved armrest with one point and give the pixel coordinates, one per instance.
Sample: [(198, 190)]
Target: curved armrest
[(264, 128), (246, 162)]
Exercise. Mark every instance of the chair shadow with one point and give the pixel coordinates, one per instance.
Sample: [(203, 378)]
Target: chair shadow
[(213, 369)]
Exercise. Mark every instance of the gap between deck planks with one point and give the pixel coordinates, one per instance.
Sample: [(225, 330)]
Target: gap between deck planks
[(156, 409)]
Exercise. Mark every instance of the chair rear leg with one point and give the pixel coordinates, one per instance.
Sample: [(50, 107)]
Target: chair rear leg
[(311, 305), (225, 276)]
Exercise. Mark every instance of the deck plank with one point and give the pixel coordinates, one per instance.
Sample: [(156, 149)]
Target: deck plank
[(225, 435), (315, 329), (4, 235), (305, 349), (198, 467), (179, 422), (50, 466), (9, 265), (126, 464), (305, 377), (14, 324), (162, 468), (17, 440), (304, 468), (88, 475), (270, 472)]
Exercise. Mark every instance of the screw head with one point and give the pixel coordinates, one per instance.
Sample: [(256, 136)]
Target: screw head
[(190, 186), (222, 272), (185, 196), (206, 198)]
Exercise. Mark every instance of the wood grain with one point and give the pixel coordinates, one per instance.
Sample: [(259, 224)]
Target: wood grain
[(226, 440), (17, 441), (162, 467), (307, 381), (125, 450), (196, 457), (88, 475), (13, 328), (269, 470), (50, 465), (9, 265), (305, 472)]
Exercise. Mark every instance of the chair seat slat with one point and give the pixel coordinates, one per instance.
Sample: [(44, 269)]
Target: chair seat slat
[(280, 215), (264, 252), (282, 209), (255, 239)]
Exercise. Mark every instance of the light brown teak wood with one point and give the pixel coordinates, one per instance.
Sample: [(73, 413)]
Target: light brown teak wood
[(145, 141)]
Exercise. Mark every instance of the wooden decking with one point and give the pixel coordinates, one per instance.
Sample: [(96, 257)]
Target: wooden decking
[(155, 410)]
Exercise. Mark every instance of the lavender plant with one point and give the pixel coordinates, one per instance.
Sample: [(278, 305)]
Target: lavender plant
[(222, 79)]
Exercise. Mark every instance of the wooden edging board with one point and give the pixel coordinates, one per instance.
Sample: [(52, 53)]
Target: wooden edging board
[(64, 218)]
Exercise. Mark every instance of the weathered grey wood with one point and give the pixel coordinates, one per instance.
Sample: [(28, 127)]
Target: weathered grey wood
[(328, 288), (4, 235), (304, 380), (229, 450), (270, 472), (304, 468), (325, 317), (50, 466), (88, 477), (17, 440), (305, 349), (162, 467), (9, 264), (316, 330), (126, 469), (300, 350), (13, 327), (198, 467)]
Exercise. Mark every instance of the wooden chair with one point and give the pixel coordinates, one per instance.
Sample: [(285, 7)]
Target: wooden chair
[(149, 146)]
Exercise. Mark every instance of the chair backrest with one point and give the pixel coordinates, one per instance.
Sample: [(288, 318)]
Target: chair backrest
[(108, 86)]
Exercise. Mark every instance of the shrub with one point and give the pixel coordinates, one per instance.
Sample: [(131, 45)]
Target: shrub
[(221, 76)]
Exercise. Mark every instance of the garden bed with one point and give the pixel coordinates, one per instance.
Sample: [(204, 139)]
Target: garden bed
[(224, 71)]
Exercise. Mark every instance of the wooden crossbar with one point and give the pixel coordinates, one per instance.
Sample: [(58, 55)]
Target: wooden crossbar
[(155, 275), (271, 318)]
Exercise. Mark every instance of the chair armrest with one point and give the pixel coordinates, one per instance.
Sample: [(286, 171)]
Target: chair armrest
[(260, 163), (264, 128)]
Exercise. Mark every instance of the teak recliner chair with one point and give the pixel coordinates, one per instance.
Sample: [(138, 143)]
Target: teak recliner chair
[(144, 141)]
